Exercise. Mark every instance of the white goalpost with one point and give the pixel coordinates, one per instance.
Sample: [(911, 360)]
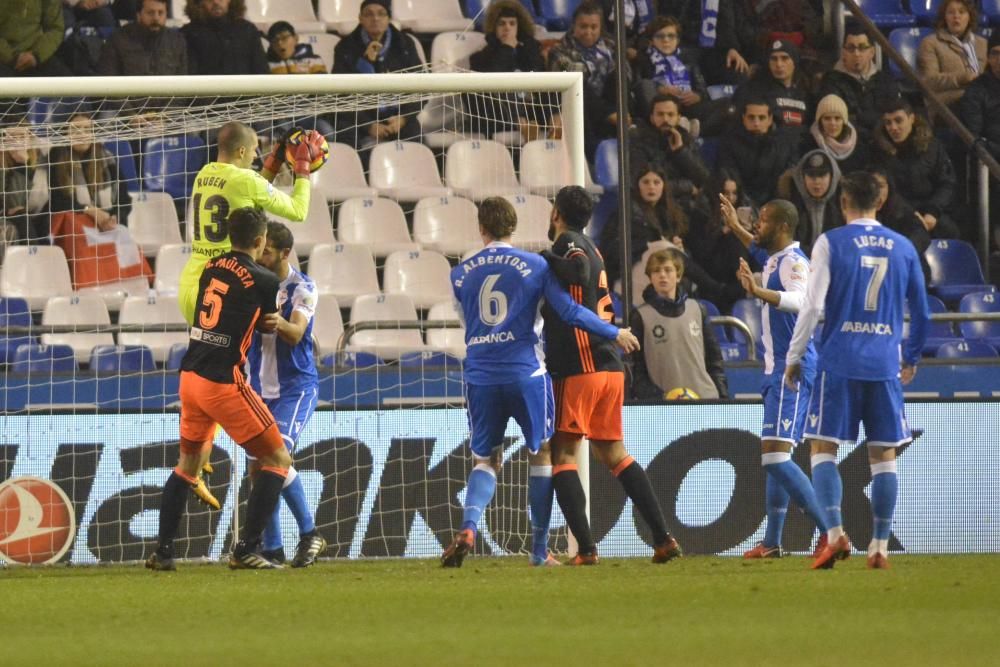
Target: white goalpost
[(88, 380)]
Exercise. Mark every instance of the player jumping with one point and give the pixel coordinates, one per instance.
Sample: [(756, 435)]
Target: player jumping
[(233, 294), (498, 291), (283, 372), (862, 274)]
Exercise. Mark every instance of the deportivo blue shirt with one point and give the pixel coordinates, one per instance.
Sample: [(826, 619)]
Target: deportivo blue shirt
[(785, 272)]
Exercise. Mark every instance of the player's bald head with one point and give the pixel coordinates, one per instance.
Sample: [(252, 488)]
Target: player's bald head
[(783, 212), (233, 136), (497, 217)]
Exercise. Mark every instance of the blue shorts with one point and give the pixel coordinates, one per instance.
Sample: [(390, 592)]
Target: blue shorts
[(292, 413), (839, 404), (490, 406), (784, 408)]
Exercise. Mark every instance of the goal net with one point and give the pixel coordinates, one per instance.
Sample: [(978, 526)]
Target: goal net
[(97, 194)]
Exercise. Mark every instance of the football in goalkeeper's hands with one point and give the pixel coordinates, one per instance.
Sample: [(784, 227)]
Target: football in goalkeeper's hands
[(681, 394), (317, 160)]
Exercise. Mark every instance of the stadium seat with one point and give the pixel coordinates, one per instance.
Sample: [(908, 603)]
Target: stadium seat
[(353, 360), (718, 329), (448, 339), (344, 271), (991, 11), (441, 122), (733, 352), (122, 150), (907, 42), (480, 168), (545, 168), (317, 227), (378, 223), (152, 310), (981, 302), (924, 11), (422, 275), (170, 164), (391, 342), (533, 213), (44, 359), (557, 14), (170, 261), (114, 294), (35, 273), (721, 91), (436, 358), (748, 310), (323, 45), (153, 222), (419, 48), (85, 312), (341, 16), (606, 163), (343, 176), (175, 356), (328, 324), (447, 225), (299, 13), (708, 149), (450, 51), (955, 270), (121, 359), (13, 313), (938, 332), (405, 171), (430, 16), (967, 349), (887, 14)]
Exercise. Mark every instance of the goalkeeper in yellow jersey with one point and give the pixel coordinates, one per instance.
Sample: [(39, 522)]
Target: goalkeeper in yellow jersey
[(229, 184)]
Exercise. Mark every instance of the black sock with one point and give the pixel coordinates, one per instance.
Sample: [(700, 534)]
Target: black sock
[(573, 503), (638, 488), (260, 506), (172, 502)]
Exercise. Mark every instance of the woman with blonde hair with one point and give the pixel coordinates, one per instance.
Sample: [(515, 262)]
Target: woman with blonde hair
[(24, 187), (954, 55), (833, 133)]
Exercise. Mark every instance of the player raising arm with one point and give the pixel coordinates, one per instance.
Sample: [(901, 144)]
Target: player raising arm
[(863, 274), (228, 184), (233, 294), (498, 291), (783, 288)]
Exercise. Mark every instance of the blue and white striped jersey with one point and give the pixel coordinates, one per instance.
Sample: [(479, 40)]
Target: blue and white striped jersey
[(276, 367), (499, 292), (863, 276), (785, 272)]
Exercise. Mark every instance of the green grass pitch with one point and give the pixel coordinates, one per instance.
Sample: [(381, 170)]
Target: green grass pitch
[(927, 610)]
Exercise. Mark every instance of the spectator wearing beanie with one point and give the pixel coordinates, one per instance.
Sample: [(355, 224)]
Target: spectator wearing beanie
[(951, 58), (833, 132), (781, 82), (812, 186)]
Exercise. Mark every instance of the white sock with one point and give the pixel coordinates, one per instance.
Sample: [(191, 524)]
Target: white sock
[(878, 546), (833, 534), (290, 477)]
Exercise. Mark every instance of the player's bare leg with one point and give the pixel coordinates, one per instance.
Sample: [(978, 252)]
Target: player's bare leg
[(829, 492), (183, 478), (274, 461), (569, 493), (884, 488), (633, 478), (540, 504), (478, 494)]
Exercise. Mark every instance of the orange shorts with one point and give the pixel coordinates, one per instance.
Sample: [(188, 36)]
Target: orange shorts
[(235, 407), (590, 404)]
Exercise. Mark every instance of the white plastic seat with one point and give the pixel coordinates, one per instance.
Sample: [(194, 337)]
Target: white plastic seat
[(341, 16), (450, 51), (448, 225), (378, 223), (343, 176), (545, 168), (152, 310), (480, 168), (422, 275), (328, 324), (153, 221), (299, 13), (170, 261), (430, 16), (418, 47), (344, 271), (85, 311), (449, 340), (405, 171), (389, 343), (323, 45), (114, 294), (35, 273), (315, 229), (533, 212)]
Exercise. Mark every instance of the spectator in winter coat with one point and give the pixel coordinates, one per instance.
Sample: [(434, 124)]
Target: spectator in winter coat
[(723, 31), (812, 187), (30, 34), (833, 132), (898, 215), (662, 141), (24, 188), (638, 15), (220, 40), (951, 58), (981, 102), (780, 81), (758, 151)]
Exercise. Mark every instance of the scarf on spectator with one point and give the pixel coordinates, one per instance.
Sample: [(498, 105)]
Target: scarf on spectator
[(838, 150), (668, 70), (967, 45), (638, 14), (600, 63), (709, 21)]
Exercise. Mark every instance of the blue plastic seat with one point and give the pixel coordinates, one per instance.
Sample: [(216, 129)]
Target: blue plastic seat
[(721, 91), (418, 360), (981, 302), (713, 311), (733, 352), (557, 14), (354, 360), (748, 310), (955, 270), (907, 42), (887, 14), (121, 359), (991, 11), (606, 163), (14, 312), (708, 148), (122, 151), (967, 349), (175, 356), (938, 333), (44, 359), (170, 164)]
